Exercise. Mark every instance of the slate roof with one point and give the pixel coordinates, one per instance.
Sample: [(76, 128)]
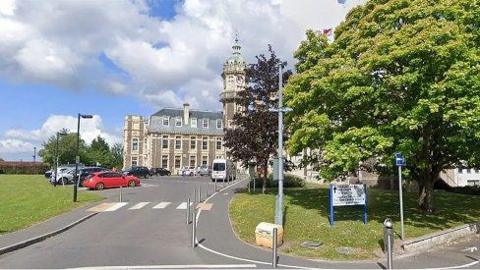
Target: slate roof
[(157, 126)]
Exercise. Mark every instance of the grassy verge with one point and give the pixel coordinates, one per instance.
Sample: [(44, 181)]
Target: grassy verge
[(29, 199), (306, 219)]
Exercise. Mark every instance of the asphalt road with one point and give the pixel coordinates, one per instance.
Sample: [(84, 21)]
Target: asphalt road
[(149, 229)]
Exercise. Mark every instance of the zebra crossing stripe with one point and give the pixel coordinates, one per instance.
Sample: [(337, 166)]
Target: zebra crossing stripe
[(162, 205), (183, 206), (138, 205), (115, 206)]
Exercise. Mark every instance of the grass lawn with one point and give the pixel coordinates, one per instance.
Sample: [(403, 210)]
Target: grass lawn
[(29, 199), (306, 218)]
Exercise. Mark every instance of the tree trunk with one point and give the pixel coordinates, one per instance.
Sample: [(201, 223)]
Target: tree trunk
[(425, 200), (265, 175)]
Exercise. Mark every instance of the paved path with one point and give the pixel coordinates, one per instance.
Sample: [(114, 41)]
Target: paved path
[(148, 228)]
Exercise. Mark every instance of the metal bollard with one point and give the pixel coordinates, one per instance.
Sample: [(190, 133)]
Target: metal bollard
[(274, 248), (388, 241), (253, 184), (195, 195), (215, 184), (249, 182), (200, 194), (188, 211), (194, 228), (120, 197)]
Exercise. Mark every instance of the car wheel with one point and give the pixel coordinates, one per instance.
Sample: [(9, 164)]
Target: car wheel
[(131, 184), (99, 186)]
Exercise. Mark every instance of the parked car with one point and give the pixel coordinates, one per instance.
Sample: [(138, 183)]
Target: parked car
[(204, 170), (137, 171), (159, 171), (188, 171), (87, 171), (101, 180), (65, 175), (224, 170)]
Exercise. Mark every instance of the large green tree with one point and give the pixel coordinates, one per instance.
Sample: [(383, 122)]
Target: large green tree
[(401, 75), (67, 146)]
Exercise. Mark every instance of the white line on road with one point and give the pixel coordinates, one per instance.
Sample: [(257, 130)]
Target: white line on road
[(174, 266), (114, 207), (162, 205), (138, 206), (183, 206)]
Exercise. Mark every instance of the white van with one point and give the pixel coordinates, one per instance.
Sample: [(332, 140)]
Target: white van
[(223, 170)]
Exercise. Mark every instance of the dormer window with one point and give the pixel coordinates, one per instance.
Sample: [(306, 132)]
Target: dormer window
[(193, 124), (178, 122), (219, 123), (165, 121), (205, 123)]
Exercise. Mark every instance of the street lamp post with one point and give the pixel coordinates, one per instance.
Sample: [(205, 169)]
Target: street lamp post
[(279, 210), (57, 156), (77, 160)]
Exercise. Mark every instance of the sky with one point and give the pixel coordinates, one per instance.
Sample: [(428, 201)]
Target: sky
[(114, 58)]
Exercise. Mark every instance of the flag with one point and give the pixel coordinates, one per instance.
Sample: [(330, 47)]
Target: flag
[(328, 32)]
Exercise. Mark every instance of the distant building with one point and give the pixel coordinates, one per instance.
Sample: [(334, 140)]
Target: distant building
[(173, 138)]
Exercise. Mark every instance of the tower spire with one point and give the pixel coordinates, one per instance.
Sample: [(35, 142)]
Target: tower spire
[(236, 47)]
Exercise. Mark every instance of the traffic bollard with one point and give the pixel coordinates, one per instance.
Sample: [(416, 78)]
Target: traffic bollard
[(254, 185), (200, 193), (215, 184), (194, 228), (195, 195), (120, 197), (388, 241), (274, 248), (188, 211), (249, 182)]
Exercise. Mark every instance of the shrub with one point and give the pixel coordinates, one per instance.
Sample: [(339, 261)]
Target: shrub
[(19, 167), (289, 181), (469, 190)]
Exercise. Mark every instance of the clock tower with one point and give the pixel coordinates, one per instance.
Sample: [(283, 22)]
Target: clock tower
[(233, 82)]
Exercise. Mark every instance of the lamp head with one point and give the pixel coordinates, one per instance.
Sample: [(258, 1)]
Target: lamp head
[(86, 116)]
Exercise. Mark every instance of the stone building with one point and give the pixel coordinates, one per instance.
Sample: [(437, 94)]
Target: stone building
[(176, 137)]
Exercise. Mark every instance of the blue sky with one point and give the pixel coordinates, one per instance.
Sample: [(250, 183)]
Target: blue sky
[(116, 58)]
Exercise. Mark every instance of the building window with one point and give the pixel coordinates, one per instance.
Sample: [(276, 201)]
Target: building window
[(165, 142), (473, 182), (219, 123), (134, 161), (193, 142), (178, 122), (205, 143), (178, 161), (219, 143), (146, 145), (178, 142), (469, 170), (193, 124), (204, 160), (135, 144), (205, 123), (165, 161), (192, 161), (165, 121)]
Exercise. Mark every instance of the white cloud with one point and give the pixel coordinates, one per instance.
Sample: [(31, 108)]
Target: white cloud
[(9, 146), (163, 62), (20, 140)]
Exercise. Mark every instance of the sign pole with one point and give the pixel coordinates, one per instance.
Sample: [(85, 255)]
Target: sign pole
[(365, 206), (332, 219), (401, 200)]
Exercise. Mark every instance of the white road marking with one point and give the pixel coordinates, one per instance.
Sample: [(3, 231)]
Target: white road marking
[(183, 206), (115, 207), (174, 266), (162, 205), (138, 206), (471, 249)]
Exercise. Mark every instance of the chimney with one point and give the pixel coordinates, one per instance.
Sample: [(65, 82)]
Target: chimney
[(186, 113)]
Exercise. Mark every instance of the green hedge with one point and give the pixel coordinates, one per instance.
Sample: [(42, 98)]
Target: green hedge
[(469, 190), (289, 181), (10, 167)]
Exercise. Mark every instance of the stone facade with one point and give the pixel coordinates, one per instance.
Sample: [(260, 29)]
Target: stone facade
[(176, 137)]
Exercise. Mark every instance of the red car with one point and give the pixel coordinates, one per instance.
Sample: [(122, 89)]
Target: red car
[(101, 180)]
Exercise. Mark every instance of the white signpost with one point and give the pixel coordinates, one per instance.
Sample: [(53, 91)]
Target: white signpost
[(347, 195)]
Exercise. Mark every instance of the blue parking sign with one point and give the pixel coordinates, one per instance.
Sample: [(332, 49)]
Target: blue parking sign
[(399, 159)]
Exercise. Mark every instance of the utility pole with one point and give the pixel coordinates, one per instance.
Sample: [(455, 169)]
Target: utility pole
[(279, 210), (76, 177)]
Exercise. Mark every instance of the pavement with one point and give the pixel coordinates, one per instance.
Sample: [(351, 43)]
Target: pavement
[(148, 229)]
